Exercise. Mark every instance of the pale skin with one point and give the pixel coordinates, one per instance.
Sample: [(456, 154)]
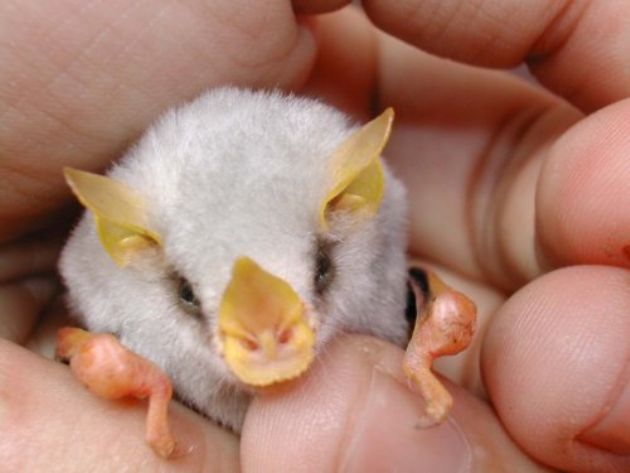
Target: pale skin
[(511, 187)]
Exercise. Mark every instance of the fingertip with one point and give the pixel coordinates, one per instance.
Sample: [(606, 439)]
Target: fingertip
[(583, 198), (354, 412), (299, 61), (553, 357), (391, 433), (329, 79), (302, 423)]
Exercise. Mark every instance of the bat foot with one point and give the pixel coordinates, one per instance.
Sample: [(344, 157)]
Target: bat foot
[(111, 371), (444, 326)]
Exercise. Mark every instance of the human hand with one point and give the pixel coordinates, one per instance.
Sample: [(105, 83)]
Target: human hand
[(506, 183), (78, 81), (461, 124)]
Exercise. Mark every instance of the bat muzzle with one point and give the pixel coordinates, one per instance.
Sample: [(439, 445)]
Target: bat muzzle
[(264, 330)]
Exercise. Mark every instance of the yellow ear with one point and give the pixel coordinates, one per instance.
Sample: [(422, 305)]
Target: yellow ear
[(119, 212), (358, 183)]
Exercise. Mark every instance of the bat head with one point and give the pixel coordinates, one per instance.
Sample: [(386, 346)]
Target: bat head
[(240, 234)]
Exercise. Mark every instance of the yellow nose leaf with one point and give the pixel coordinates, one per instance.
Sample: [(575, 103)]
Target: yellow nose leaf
[(262, 324)]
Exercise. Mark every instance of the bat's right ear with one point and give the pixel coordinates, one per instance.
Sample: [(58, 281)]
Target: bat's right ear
[(119, 212), (357, 177)]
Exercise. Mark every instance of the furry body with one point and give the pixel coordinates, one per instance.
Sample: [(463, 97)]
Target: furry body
[(238, 173)]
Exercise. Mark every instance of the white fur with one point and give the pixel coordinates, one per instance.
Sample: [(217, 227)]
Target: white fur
[(237, 173)]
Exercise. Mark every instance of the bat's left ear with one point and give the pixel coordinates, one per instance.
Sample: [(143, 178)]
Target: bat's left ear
[(119, 212), (358, 183)]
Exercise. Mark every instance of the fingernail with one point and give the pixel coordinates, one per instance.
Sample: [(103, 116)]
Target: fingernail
[(612, 433), (388, 435)]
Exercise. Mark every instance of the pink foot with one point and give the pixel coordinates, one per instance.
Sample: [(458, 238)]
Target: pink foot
[(444, 326), (111, 371)]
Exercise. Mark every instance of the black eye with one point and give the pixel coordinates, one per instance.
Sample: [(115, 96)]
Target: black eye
[(186, 295), (324, 270)]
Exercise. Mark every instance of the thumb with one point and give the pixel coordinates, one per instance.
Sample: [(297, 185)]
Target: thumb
[(353, 412)]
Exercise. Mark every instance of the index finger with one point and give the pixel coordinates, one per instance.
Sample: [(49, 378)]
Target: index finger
[(577, 49)]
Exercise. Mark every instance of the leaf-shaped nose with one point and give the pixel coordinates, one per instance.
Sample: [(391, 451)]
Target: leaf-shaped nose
[(266, 335)]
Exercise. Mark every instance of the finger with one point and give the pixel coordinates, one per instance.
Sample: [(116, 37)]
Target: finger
[(29, 257), (48, 419), (80, 81), (583, 195), (354, 413), (469, 145), (556, 362), (21, 304), (566, 44), (329, 79), (43, 337)]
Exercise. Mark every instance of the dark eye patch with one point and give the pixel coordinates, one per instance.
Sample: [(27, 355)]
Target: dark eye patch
[(186, 295), (324, 267)]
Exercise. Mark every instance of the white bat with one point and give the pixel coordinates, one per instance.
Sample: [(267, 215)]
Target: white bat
[(234, 240)]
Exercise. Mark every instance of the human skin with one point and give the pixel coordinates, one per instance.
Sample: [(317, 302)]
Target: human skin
[(520, 194)]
